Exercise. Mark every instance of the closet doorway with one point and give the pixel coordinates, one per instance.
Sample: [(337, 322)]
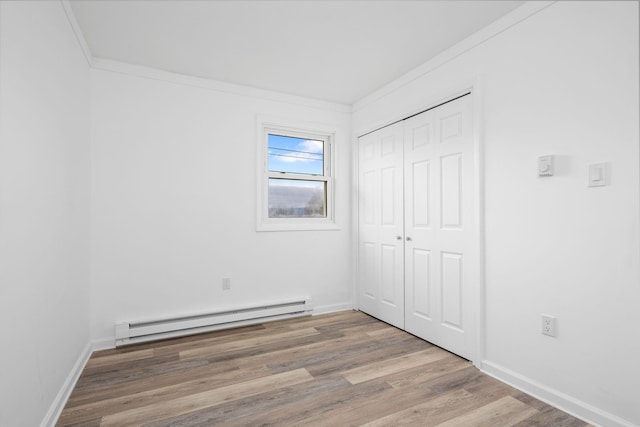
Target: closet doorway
[(417, 243)]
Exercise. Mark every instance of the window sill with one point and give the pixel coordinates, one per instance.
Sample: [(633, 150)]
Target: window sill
[(297, 226)]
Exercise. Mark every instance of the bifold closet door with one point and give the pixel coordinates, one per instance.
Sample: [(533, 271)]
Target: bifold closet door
[(416, 225), (381, 216), (438, 225)]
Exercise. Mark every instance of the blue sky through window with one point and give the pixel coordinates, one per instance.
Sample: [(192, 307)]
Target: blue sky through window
[(296, 155)]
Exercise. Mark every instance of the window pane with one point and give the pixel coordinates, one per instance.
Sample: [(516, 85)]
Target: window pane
[(289, 198), (296, 155)]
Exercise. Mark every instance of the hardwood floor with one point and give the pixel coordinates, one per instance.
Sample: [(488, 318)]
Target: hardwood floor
[(339, 369)]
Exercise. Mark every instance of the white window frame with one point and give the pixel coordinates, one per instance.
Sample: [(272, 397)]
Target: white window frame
[(299, 130)]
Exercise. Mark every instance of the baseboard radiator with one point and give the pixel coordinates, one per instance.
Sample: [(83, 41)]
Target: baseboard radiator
[(155, 329)]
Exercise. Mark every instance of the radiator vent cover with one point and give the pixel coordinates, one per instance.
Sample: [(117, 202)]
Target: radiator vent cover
[(133, 332)]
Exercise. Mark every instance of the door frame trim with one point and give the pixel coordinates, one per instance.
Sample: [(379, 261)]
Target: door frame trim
[(478, 309), (479, 306)]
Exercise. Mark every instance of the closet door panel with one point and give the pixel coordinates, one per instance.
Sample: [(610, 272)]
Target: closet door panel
[(439, 309), (422, 170), (451, 284), (420, 194), (420, 300), (381, 253)]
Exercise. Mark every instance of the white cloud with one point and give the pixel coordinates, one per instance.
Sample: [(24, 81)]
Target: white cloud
[(312, 146), (310, 150)]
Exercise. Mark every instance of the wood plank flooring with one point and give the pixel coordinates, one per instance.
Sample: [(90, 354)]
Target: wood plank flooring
[(341, 369)]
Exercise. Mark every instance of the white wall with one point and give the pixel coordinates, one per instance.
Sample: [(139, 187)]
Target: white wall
[(44, 208), (563, 82), (174, 204), (173, 196)]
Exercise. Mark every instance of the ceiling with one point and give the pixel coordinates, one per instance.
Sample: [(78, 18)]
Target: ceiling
[(331, 50)]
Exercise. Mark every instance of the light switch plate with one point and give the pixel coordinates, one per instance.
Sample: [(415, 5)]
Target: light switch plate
[(598, 175), (545, 166)]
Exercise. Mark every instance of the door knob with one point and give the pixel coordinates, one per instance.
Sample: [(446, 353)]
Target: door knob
[(409, 239), (398, 237)]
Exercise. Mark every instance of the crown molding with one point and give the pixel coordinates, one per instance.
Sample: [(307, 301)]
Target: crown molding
[(183, 79), (71, 17), (214, 85), (528, 9)]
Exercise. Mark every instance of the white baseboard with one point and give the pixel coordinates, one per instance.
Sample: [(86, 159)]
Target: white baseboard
[(568, 404), (103, 344), (325, 309), (67, 387)]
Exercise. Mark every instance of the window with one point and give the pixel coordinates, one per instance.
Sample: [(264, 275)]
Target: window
[(295, 179)]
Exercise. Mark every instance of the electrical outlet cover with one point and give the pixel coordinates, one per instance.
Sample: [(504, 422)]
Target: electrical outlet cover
[(549, 325)]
